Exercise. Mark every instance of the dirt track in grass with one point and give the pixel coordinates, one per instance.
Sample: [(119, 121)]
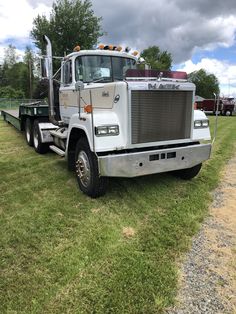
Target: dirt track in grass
[(208, 275)]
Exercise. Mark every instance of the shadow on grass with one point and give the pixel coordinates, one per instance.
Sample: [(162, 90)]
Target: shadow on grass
[(119, 187)]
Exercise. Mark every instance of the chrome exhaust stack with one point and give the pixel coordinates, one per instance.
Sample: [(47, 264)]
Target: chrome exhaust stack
[(49, 75)]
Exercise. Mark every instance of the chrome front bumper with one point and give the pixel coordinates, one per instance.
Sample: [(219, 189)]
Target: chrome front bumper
[(155, 161)]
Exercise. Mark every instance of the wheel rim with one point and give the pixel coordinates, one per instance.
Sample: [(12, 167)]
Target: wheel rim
[(27, 131), (36, 139), (83, 169), (227, 113)]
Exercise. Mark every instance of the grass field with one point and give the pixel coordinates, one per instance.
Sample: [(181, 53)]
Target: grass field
[(62, 252)]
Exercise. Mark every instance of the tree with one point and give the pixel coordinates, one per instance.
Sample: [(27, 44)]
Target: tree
[(29, 60), (157, 59), (10, 56), (206, 84), (71, 22), (17, 75), (10, 59), (10, 92)]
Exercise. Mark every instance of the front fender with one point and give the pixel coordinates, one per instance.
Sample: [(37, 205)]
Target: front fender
[(84, 127)]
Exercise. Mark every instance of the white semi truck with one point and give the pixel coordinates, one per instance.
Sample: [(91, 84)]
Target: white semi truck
[(113, 120)]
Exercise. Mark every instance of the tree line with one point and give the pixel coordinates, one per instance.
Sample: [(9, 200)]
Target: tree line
[(18, 78), (70, 22)]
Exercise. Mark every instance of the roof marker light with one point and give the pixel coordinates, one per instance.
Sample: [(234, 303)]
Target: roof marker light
[(77, 48), (135, 53)]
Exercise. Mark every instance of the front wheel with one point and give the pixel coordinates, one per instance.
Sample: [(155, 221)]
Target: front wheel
[(86, 166), (39, 146), (189, 173)]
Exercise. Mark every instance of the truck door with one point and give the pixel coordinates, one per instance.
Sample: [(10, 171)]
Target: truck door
[(67, 96)]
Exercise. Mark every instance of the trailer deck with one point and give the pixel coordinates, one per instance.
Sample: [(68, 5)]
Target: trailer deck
[(33, 110), (12, 116), (14, 113)]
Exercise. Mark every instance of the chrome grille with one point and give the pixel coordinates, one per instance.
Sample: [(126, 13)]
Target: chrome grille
[(160, 115)]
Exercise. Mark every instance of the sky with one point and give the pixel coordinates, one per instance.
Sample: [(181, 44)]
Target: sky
[(198, 33)]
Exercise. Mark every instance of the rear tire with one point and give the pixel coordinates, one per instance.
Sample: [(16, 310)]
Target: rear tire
[(87, 173), (189, 173), (29, 132), (39, 147), (228, 113)]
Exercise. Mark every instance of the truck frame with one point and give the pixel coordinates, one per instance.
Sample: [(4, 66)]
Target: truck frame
[(109, 119)]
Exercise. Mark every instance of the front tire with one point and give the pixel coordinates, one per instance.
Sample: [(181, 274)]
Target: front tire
[(39, 147), (87, 173), (189, 173)]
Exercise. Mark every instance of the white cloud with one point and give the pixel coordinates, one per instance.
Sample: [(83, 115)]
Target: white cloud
[(16, 18), (178, 26), (19, 53), (223, 70)]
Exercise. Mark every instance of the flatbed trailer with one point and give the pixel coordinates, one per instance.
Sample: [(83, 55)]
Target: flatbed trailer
[(12, 116), (36, 110), (29, 117)]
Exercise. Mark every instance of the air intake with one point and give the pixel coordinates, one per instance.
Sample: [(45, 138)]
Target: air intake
[(160, 115)]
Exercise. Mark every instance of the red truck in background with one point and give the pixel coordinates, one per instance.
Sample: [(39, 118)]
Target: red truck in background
[(209, 105), (226, 106)]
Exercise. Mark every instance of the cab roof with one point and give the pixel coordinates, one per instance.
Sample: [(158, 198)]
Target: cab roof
[(100, 52)]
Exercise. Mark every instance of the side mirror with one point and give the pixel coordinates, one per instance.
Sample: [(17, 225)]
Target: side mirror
[(79, 85), (141, 60), (142, 64)]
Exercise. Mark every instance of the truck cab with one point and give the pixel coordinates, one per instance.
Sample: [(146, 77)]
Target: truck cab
[(118, 121)]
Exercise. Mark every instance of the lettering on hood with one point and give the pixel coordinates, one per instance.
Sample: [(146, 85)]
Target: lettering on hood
[(163, 86)]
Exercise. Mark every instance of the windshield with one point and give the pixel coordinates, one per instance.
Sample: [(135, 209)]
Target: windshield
[(102, 68)]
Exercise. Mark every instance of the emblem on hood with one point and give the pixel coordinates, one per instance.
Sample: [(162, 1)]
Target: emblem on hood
[(163, 86), (117, 98)]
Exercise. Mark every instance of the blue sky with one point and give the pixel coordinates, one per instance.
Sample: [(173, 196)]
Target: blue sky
[(198, 33), (221, 53)]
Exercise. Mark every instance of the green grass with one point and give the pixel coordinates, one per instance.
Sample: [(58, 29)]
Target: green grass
[(62, 252)]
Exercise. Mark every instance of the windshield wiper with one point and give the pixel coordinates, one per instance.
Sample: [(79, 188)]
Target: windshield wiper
[(101, 79)]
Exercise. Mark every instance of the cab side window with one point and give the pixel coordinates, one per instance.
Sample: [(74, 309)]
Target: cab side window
[(67, 77), (78, 69)]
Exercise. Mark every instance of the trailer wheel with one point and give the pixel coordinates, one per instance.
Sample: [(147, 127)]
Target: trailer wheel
[(228, 113), (39, 147), (87, 173), (29, 132), (189, 173)]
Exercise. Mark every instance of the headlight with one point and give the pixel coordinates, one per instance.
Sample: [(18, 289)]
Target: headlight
[(205, 123), (199, 124), (107, 130)]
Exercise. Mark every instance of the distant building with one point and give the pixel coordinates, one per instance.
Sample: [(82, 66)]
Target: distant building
[(198, 98)]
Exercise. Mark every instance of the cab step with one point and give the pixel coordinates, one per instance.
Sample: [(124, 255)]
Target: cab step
[(57, 150), (60, 133)]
